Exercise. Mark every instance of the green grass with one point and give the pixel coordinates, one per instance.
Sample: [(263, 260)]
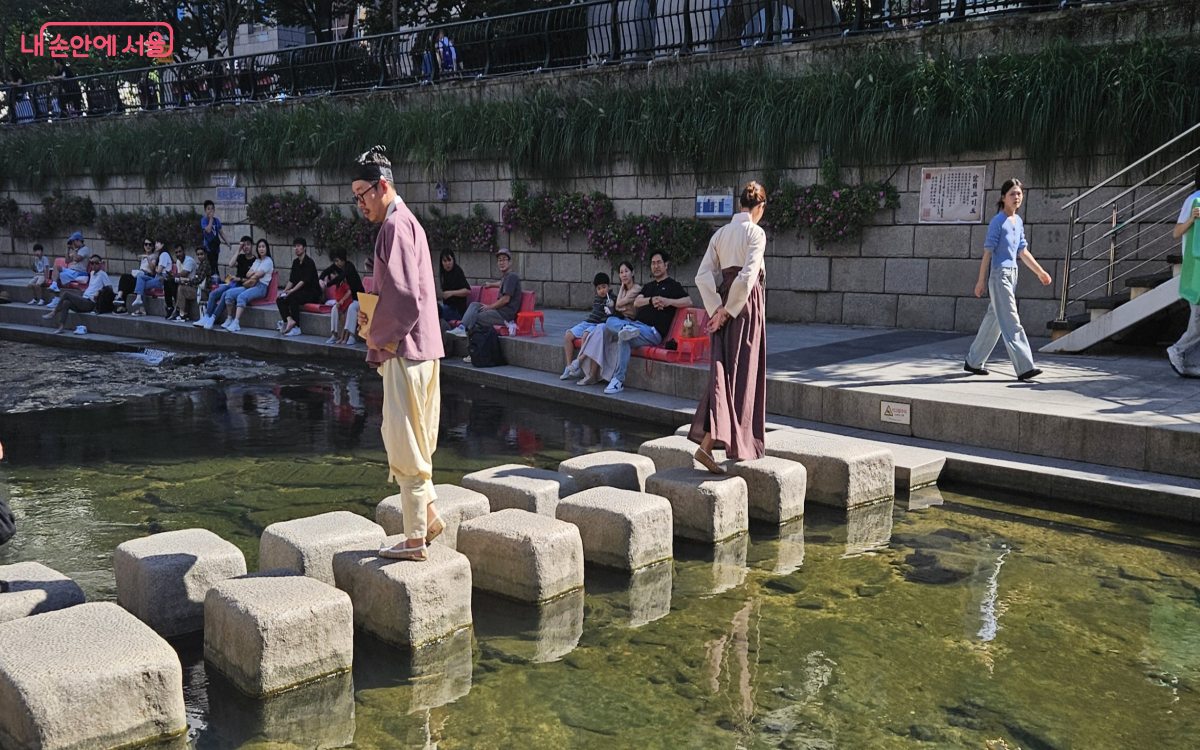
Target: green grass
[(1063, 103)]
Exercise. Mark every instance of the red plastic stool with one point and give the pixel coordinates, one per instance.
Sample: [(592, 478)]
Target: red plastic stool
[(527, 324), (695, 348)]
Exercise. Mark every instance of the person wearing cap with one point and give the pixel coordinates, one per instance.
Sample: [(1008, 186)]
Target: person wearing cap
[(303, 288), (77, 263), (501, 312), (404, 345), (81, 302)]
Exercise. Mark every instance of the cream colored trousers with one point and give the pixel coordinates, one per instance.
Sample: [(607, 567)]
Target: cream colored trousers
[(412, 407)]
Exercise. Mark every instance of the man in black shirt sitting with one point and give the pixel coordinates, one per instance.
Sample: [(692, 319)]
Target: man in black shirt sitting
[(656, 307), (303, 288)]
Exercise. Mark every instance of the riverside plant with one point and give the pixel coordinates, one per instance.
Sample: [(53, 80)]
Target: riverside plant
[(636, 237), (352, 233), (829, 212), (885, 105), (59, 212), (128, 228), (563, 213), (284, 215), (474, 233)]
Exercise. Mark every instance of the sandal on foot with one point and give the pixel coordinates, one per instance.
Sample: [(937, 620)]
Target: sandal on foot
[(709, 462), (435, 527), (400, 552)]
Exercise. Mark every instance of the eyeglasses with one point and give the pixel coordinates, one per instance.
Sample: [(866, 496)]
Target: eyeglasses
[(93, 262), (360, 198), (146, 244)]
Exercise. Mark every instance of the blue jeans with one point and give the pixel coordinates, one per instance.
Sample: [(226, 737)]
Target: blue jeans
[(647, 336), (1002, 320), (146, 283), (242, 297), (67, 275), (216, 297)]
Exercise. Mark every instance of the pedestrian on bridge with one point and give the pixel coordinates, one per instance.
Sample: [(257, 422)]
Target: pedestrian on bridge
[(1004, 245)]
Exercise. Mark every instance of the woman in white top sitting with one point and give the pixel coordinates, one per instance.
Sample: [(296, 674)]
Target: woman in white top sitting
[(254, 287), (84, 301)]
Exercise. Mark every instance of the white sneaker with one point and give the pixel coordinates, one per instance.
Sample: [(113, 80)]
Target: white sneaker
[(41, 302), (572, 371), (331, 340), (460, 332), (294, 332), (279, 326), (32, 301), (512, 327), (234, 327), (208, 323), (80, 330), (200, 323), (467, 359), (53, 303), (627, 333), (1175, 360), (54, 286), (614, 386)]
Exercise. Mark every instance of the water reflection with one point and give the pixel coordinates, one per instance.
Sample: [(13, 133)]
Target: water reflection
[(868, 528), (789, 554), (925, 497), (526, 633), (723, 566), (317, 715)]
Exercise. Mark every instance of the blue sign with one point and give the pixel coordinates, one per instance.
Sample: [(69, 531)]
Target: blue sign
[(714, 205), (229, 196)]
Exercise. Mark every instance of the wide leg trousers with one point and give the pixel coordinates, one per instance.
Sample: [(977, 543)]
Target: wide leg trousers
[(1002, 320), (412, 405)]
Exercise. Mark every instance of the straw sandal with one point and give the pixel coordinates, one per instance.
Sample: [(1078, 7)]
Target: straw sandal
[(435, 527), (400, 552)]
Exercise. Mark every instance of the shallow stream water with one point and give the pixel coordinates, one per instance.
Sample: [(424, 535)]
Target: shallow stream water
[(892, 628)]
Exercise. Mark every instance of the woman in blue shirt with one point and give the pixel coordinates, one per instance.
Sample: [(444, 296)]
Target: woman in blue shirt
[(1005, 243)]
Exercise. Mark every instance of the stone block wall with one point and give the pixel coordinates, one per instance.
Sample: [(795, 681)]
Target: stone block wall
[(899, 274)]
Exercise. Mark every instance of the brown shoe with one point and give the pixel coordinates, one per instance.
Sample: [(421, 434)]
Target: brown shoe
[(436, 527), (709, 462), (400, 552)]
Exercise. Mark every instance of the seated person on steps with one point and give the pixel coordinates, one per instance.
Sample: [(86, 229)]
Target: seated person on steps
[(81, 302), (501, 312), (656, 306), (603, 306), (303, 288), (77, 264), (235, 274), (189, 287)]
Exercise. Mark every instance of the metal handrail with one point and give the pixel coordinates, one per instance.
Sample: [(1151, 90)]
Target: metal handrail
[(1140, 161), (595, 32), (1127, 191)]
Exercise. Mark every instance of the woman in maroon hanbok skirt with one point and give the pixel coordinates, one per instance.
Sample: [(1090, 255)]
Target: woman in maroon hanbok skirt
[(733, 409)]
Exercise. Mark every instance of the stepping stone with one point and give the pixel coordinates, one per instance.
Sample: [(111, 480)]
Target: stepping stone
[(89, 676), (843, 472), (522, 555), (315, 715), (455, 504), (704, 507), (162, 579), (620, 528), (534, 634), (916, 467), (674, 452), (307, 545), (868, 528), (775, 487), (402, 602), (522, 487), (30, 588), (270, 632), (626, 471)]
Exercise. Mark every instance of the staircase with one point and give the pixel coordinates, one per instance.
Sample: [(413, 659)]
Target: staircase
[(1121, 264)]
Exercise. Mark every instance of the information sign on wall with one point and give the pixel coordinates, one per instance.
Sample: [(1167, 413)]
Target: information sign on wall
[(230, 196), (952, 195), (714, 203), (894, 412), (223, 179)]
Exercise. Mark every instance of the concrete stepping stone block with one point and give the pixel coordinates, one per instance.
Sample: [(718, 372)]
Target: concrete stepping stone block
[(674, 452), (626, 471), (842, 472), (269, 632), (315, 715), (522, 487), (775, 487), (29, 588), (402, 602), (620, 528), (522, 555), (455, 504), (916, 467), (89, 676), (534, 634), (162, 579), (704, 507), (307, 545)]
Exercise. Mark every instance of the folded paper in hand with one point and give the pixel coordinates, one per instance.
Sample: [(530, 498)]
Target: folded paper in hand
[(367, 303)]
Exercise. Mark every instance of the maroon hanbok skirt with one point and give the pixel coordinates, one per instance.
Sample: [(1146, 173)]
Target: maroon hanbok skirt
[(734, 406)]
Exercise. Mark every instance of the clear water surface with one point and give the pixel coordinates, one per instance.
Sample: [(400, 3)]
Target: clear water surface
[(893, 628)]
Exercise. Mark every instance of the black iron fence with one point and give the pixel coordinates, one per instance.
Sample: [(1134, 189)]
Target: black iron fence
[(600, 32)]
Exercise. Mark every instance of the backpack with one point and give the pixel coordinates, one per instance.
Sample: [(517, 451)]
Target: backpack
[(105, 299), (485, 348)]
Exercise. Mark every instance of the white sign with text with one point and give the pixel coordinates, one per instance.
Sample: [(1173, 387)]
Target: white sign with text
[(952, 195), (894, 412)]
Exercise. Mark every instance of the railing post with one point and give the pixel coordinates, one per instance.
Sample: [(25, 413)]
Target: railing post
[(487, 48), (336, 75), (1112, 250), (858, 12), (687, 27), (960, 9), (546, 39), (292, 71), (768, 22), (616, 32), (1066, 275)]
